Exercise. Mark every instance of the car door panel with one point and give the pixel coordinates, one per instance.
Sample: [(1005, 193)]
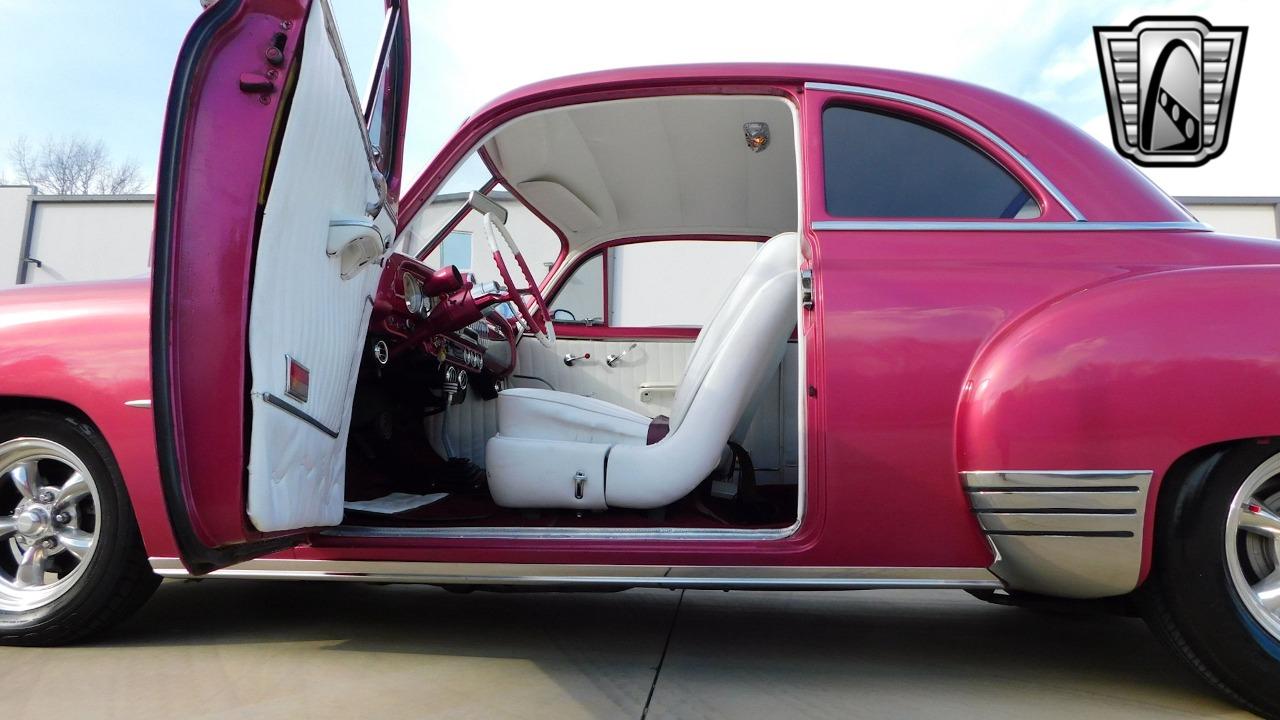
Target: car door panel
[(263, 150), (302, 311)]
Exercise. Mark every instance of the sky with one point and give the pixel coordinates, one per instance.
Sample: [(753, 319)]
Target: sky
[(101, 70)]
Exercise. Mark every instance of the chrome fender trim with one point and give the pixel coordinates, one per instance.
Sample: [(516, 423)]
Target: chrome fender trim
[(1067, 533), (617, 576)]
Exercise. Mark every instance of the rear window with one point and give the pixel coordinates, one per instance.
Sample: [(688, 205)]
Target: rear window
[(882, 166)]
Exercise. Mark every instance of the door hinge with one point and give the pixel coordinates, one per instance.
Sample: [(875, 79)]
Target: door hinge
[(806, 289)]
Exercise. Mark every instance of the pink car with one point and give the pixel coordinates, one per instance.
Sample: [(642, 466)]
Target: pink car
[(879, 330)]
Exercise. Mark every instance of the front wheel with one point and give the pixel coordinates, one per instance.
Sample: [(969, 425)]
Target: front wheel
[(1214, 592), (71, 560)]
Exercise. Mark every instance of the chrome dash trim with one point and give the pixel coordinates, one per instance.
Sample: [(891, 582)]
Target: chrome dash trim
[(138, 403), (1070, 533), (1004, 226), (965, 120), (620, 576)]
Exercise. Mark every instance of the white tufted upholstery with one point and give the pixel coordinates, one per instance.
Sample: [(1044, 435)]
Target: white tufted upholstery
[(555, 449)]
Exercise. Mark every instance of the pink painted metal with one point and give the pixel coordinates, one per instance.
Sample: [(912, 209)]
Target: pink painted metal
[(930, 353)]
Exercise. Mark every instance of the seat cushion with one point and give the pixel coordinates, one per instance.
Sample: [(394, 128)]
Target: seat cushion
[(538, 414)]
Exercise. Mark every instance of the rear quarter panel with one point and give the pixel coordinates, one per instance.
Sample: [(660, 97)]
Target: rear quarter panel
[(1129, 375)]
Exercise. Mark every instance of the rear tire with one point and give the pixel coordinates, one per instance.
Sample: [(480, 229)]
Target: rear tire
[(1209, 595), (71, 557)]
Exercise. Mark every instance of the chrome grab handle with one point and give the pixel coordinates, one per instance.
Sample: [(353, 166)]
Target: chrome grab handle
[(570, 358), (612, 360)]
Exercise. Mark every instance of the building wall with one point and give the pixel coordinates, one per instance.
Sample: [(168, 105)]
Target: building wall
[(13, 218), (1256, 217), (90, 238), (87, 238)]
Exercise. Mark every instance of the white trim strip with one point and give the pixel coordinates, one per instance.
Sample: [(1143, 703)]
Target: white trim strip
[(962, 119), (659, 576), (1005, 226), (138, 403)]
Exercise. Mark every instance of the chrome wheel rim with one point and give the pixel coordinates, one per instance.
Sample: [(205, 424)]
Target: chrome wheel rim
[(49, 524), (1253, 545)]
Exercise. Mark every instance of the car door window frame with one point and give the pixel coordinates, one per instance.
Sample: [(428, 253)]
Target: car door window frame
[(1054, 207)]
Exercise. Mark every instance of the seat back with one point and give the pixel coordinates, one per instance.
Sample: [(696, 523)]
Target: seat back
[(735, 352), (779, 255)]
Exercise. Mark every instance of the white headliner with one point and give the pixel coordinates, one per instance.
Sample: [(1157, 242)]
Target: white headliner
[(654, 166)]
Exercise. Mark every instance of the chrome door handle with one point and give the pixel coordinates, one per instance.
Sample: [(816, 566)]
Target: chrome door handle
[(612, 360), (570, 358)]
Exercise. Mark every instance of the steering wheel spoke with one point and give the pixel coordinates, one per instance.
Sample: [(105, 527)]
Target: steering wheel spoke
[(538, 317)]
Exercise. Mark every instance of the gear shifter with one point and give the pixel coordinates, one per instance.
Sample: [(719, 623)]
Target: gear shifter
[(455, 381)]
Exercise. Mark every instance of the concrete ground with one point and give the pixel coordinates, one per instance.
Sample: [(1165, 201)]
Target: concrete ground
[(223, 648)]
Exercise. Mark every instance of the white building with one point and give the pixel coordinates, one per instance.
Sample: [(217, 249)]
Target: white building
[(53, 238)]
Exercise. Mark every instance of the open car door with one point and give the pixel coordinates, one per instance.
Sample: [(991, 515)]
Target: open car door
[(275, 204)]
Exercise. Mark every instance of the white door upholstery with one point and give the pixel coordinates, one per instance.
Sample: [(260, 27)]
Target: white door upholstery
[(301, 307), (735, 353)]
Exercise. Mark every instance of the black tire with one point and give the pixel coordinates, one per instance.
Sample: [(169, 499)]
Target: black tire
[(117, 579), (1190, 600)]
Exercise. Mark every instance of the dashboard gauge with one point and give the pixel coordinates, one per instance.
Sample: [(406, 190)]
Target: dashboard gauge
[(413, 299)]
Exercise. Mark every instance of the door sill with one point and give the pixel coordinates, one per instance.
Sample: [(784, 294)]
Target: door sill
[(596, 576), (529, 533)]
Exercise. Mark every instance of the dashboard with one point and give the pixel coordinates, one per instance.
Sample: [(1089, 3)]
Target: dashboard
[(435, 312)]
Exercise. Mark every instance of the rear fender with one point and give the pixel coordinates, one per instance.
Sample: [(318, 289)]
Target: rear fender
[(1108, 388)]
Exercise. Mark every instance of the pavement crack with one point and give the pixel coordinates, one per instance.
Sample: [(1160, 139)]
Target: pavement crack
[(663, 657)]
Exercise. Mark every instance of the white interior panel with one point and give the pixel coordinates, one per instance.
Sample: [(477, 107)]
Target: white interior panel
[(654, 166), (300, 307)]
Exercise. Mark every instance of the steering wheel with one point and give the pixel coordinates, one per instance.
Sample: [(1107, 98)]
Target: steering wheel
[(539, 317)]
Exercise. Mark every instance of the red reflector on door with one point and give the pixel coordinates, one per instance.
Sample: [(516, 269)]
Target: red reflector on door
[(299, 380)]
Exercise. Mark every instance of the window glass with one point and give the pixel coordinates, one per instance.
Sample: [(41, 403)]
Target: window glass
[(382, 114), (664, 283), (581, 298), (456, 250), (881, 166), (447, 215)]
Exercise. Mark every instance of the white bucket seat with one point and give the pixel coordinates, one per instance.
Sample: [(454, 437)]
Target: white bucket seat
[(560, 450)]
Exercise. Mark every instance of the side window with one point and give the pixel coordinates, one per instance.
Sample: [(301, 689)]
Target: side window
[(456, 250), (881, 166), (382, 108), (581, 299), (663, 283)]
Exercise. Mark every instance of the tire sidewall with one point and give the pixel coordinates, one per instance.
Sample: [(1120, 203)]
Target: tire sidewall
[(116, 531), (1195, 586)]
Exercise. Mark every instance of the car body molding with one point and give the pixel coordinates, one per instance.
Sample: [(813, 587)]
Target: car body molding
[(1068, 533), (615, 576)]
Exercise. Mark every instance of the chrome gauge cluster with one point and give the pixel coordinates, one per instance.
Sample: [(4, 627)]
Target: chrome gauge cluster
[(413, 297), (470, 357)]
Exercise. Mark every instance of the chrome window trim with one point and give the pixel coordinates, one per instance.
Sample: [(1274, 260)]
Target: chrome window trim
[(1003, 226), (618, 576), (965, 120)]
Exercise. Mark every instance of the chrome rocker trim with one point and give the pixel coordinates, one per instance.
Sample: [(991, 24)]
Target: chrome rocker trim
[(595, 576), (1072, 533), (1004, 225)]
